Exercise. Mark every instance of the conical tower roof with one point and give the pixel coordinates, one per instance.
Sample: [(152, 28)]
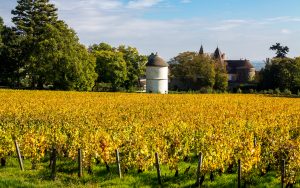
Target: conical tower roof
[(201, 51), (218, 54), (155, 61)]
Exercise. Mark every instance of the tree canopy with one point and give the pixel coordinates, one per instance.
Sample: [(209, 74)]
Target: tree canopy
[(136, 65), (11, 61), (121, 66), (42, 50), (281, 51), (30, 17), (111, 68), (282, 73), (198, 71)]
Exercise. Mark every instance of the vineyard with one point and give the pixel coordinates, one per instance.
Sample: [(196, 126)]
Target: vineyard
[(259, 130)]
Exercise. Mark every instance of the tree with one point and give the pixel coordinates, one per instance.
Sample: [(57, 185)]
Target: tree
[(102, 46), (123, 62), (11, 62), (296, 76), (221, 77), (31, 19), (111, 66), (282, 73), (52, 54), (281, 51), (62, 61), (193, 70), (135, 63), (30, 16)]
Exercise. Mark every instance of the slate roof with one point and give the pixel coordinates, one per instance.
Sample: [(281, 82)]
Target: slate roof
[(201, 51), (218, 54), (155, 61)]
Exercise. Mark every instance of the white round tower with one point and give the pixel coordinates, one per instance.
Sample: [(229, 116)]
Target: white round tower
[(156, 75)]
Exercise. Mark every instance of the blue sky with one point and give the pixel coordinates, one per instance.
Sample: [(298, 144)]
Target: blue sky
[(241, 28)]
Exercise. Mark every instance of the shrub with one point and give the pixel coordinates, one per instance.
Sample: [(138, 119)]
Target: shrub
[(208, 90), (277, 91), (270, 91), (287, 92)]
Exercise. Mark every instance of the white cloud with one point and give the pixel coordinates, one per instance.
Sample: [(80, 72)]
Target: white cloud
[(65, 5), (224, 27), (236, 21), (284, 19), (227, 25), (140, 4)]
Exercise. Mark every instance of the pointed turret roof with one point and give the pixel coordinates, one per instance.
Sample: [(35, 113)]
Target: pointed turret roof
[(201, 51), (218, 54)]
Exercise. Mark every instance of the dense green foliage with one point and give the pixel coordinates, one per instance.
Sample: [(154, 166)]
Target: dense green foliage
[(11, 59), (221, 77), (199, 71), (135, 65), (111, 68), (43, 51), (281, 73), (122, 66), (53, 53)]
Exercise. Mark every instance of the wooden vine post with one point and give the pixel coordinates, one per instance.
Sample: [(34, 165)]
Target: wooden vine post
[(200, 160), (118, 163), (282, 172), (3, 161), (158, 168), (19, 155), (239, 173), (79, 163), (53, 163)]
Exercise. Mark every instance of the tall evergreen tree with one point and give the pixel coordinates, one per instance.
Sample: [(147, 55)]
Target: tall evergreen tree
[(30, 16), (51, 50)]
